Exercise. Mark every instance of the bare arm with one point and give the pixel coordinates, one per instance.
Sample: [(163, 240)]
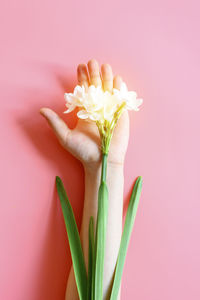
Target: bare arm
[(115, 181), (84, 143)]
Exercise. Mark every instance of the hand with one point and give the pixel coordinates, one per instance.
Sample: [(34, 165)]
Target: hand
[(84, 141)]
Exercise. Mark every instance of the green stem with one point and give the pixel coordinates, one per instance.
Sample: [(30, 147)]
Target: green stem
[(104, 167), (100, 233)]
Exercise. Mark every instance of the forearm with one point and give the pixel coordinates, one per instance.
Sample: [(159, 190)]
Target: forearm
[(115, 182)]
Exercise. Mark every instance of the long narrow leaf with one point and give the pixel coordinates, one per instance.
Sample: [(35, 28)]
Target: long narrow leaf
[(100, 240), (128, 225), (93, 268), (90, 257), (74, 241)]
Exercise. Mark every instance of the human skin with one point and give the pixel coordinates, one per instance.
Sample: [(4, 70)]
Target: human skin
[(84, 143)]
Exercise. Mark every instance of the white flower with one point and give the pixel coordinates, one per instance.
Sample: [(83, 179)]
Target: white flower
[(99, 105), (103, 107), (130, 97)]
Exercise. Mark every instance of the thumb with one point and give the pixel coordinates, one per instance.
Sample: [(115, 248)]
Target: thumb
[(59, 127)]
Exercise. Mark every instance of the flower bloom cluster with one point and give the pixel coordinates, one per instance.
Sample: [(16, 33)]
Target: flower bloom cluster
[(99, 105), (103, 107)]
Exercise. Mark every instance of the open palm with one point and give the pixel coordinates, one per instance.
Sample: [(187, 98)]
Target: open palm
[(84, 140)]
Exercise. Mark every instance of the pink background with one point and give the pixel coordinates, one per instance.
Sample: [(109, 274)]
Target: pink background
[(155, 46)]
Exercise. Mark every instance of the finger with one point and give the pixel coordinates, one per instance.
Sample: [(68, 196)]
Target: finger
[(107, 77), (59, 127), (117, 82), (93, 68), (82, 75)]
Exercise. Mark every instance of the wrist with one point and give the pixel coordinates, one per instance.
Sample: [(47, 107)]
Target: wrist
[(93, 169)]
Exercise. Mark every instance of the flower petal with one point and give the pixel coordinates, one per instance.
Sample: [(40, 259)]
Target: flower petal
[(82, 114), (100, 105)]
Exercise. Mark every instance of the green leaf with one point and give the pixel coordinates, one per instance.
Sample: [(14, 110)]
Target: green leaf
[(100, 240), (90, 258), (74, 241), (128, 225)]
